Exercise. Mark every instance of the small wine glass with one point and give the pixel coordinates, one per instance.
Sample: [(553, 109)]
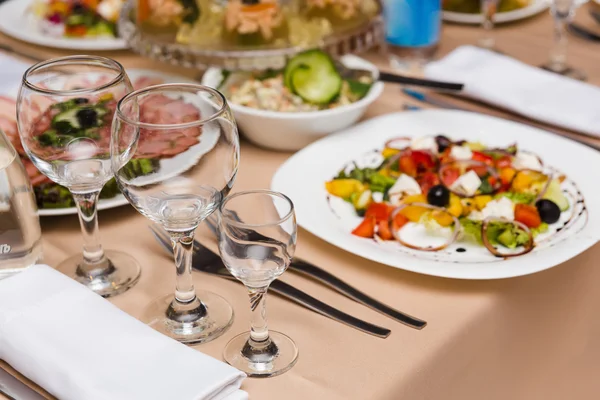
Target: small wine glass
[(64, 112), (488, 12), (175, 155), (257, 240), (563, 12)]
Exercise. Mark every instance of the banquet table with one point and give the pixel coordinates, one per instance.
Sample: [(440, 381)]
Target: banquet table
[(531, 337)]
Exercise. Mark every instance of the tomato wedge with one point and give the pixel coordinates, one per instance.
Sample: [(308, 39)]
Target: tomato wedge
[(366, 229), (482, 157), (424, 160), (379, 211), (527, 215), (407, 165), (504, 162), (384, 231), (449, 176), (427, 181), (398, 222)]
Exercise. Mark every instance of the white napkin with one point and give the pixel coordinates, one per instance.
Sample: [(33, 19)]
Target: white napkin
[(521, 88), (11, 74), (78, 346)]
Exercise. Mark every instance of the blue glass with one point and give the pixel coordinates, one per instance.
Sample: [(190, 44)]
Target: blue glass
[(412, 23)]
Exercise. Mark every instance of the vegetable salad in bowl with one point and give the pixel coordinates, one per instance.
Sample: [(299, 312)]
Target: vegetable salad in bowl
[(428, 193)]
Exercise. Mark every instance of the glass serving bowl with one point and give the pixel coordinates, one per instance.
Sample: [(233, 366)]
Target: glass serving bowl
[(211, 41)]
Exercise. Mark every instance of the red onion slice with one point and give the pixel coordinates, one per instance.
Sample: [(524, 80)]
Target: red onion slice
[(463, 166), (486, 242), (452, 239), (390, 143)]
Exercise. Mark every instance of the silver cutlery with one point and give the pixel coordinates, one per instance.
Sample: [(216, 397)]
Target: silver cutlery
[(209, 262), (596, 15), (10, 50), (14, 389), (335, 283), (357, 74), (582, 32), (425, 98)]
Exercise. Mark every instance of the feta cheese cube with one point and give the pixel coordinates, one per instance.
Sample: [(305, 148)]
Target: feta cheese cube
[(501, 208), (527, 161), (377, 197), (424, 143), (461, 153), (404, 186), (467, 183)]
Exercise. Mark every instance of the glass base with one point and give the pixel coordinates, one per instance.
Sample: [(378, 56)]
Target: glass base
[(566, 71), (113, 276), (198, 323), (273, 361)]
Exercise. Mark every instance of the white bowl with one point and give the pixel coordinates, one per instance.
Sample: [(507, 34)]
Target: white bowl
[(289, 131)]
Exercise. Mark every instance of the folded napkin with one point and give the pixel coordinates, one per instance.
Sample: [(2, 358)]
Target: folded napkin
[(521, 88), (79, 346)]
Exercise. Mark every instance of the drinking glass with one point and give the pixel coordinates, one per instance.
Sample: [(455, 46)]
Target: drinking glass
[(20, 234), (257, 240), (175, 155), (64, 112), (562, 11), (488, 11)]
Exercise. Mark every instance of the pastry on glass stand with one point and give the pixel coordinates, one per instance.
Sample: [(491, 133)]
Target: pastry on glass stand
[(166, 16), (255, 23)]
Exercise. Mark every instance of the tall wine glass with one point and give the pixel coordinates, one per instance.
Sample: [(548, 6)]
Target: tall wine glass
[(488, 12), (257, 240), (562, 11), (64, 111), (175, 155)]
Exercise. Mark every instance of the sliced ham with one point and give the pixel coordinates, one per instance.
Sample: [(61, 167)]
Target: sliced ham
[(145, 81), (8, 108)]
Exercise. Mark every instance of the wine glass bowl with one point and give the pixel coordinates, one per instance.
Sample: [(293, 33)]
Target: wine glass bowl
[(65, 108), (175, 155), (257, 241)]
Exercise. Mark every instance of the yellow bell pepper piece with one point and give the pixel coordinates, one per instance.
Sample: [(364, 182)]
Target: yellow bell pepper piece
[(468, 205), (522, 182), (414, 213), (388, 152), (442, 218), (344, 187), (415, 198), (507, 175), (481, 201), (455, 207)]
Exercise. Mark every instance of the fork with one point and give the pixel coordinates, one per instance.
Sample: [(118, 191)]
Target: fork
[(330, 280), (209, 262)]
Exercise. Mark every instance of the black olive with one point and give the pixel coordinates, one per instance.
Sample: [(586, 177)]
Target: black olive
[(79, 8), (549, 211), (438, 196), (442, 142), (87, 117), (80, 100)]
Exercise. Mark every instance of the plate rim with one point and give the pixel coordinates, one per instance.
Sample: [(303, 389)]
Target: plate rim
[(12, 7), (547, 259), (536, 7)]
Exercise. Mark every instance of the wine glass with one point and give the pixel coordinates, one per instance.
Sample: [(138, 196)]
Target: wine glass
[(257, 240), (562, 11), (175, 155), (488, 11), (64, 112)]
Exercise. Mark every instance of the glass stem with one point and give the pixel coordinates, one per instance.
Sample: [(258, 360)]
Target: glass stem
[(94, 262), (488, 9), (558, 55), (259, 332), (183, 244), (185, 307)]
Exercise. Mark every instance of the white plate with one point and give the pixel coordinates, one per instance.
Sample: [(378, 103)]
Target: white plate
[(535, 7), (304, 175), (16, 21), (120, 200)]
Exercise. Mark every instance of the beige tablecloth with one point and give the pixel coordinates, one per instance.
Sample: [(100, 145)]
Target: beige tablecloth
[(533, 337)]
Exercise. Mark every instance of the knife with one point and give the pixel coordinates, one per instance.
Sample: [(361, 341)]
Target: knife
[(583, 32), (14, 389), (425, 98)]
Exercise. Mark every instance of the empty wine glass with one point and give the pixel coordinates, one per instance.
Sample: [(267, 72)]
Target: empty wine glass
[(64, 112), (175, 155), (562, 11), (488, 12), (257, 240)]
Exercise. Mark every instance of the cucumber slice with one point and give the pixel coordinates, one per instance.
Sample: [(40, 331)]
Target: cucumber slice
[(312, 76), (358, 89)]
